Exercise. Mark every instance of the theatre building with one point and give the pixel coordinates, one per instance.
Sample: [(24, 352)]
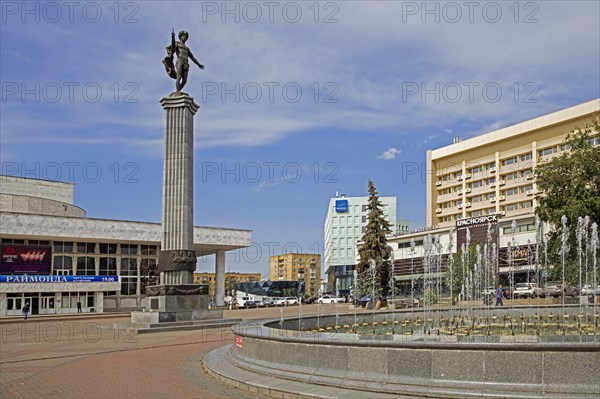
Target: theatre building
[(52, 255)]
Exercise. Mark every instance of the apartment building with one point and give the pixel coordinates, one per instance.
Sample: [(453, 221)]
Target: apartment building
[(230, 279), (298, 267)]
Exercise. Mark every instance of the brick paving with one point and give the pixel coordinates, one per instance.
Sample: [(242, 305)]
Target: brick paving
[(85, 357)]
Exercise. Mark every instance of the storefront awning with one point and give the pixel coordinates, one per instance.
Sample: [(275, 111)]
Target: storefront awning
[(419, 276)]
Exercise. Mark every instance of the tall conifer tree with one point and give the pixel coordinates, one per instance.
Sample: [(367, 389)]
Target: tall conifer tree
[(374, 248)]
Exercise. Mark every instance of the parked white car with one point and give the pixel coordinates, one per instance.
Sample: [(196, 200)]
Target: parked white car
[(528, 290), (589, 289), (330, 299), (290, 300), (556, 289)]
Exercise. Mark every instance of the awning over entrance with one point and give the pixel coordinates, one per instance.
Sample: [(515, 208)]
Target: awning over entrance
[(420, 276)]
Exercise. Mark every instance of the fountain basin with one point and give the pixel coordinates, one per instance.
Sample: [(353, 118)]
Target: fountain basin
[(420, 365)]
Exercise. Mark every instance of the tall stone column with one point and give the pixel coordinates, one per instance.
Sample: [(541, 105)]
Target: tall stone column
[(220, 278), (176, 298), (177, 261)]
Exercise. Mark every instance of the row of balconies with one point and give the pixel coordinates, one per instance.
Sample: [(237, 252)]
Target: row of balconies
[(468, 176), (492, 200), (492, 185)]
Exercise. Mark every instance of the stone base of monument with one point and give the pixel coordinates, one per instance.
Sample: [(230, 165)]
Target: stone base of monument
[(178, 307)]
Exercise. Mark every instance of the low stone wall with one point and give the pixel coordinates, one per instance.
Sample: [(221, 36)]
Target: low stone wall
[(421, 366)]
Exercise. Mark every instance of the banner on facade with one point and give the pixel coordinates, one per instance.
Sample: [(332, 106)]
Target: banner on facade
[(479, 228), (58, 279), (29, 259)]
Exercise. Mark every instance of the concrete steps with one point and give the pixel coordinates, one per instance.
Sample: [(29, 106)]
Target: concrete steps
[(187, 325)]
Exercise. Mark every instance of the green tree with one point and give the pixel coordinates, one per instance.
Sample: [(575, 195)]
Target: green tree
[(569, 185), (463, 263), (374, 248), (230, 282)]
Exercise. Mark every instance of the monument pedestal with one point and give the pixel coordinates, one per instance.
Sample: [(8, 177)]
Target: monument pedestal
[(175, 303), (172, 307)]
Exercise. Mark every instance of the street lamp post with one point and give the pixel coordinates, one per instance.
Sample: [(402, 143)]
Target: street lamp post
[(372, 263), (392, 281)]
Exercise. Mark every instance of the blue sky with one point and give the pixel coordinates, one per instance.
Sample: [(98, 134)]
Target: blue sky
[(298, 99)]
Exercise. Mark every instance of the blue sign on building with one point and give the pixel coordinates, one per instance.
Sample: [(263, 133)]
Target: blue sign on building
[(341, 206), (57, 279)]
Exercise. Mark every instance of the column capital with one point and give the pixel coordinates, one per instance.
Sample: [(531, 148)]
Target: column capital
[(179, 100)]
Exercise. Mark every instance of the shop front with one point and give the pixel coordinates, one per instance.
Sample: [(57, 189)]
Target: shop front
[(52, 294)]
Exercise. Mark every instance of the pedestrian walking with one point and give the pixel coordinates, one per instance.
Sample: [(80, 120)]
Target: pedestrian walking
[(26, 310), (79, 306), (499, 294)]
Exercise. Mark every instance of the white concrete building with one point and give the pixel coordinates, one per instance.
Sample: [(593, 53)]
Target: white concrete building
[(345, 224), (105, 264)]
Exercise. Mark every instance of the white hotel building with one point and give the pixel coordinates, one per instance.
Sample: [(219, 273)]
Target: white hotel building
[(491, 174)]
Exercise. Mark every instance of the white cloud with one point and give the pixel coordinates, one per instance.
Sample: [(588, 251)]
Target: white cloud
[(389, 154), (368, 67)]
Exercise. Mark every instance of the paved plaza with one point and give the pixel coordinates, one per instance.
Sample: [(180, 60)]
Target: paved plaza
[(102, 356)]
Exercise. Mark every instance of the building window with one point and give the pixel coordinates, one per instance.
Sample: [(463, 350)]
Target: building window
[(526, 204), (511, 176), (565, 147), (519, 229), (490, 180), (129, 286), (511, 191), (509, 161), (364, 208), (128, 267), (86, 266), (477, 198), (526, 157), (477, 169), (477, 183), (476, 213), (108, 267), (490, 165), (526, 172), (129, 249), (548, 151), (107, 248), (511, 207), (64, 247), (12, 241), (38, 242), (86, 247), (524, 189), (490, 196), (63, 265)]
